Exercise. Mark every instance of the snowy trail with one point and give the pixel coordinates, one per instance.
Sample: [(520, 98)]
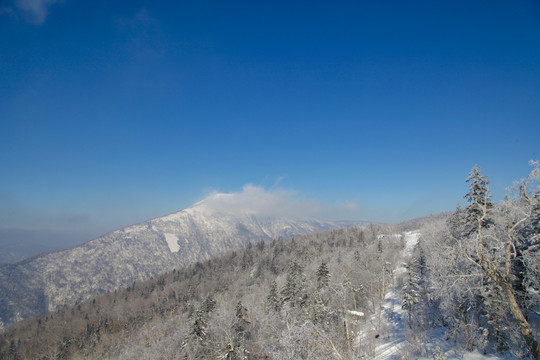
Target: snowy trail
[(390, 344)]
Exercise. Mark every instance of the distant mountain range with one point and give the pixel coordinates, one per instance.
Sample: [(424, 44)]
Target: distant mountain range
[(48, 281)]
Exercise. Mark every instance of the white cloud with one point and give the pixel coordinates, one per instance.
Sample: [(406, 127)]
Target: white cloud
[(276, 202), (34, 11)]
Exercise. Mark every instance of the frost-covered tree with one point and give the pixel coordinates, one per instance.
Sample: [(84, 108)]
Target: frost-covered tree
[(478, 212), (235, 348), (457, 223), (323, 276), (496, 312), (272, 299), (294, 290), (411, 292), (209, 304), (479, 257), (240, 313), (199, 324)]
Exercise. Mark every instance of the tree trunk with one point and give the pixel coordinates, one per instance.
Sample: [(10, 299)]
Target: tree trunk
[(523, 324), (506, 284), (463, 314)]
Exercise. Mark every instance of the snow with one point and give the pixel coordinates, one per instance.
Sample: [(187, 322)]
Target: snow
[(475, 355), (356, 313), (388, 342), (172, 242), (411, 238), (394, 342)]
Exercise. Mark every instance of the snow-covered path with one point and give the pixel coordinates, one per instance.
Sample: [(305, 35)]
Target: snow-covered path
[(391, 342)]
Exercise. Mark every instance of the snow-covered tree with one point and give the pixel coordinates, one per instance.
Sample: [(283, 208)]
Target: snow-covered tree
[(476, 268), (411, 291), (323, 276), (478, 212), (294, 289), (272, 299)]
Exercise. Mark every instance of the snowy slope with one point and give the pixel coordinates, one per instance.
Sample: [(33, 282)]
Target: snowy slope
[(137, 252)]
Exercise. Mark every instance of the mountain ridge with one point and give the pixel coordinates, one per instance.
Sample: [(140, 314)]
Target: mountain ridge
[(137, 252)]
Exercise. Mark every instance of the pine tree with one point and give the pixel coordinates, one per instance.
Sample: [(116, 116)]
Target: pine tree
[(241, 322), (478, 212), (294, 291), (457, 223), (240, 312), (410, 293), (323, 276), (209, 304), (198, 328), (272, 299), (288, 293), (200, 322), (535, 217), (12, 351)]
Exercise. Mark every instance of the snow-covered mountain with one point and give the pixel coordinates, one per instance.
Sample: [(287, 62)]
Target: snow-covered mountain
[(45, 282)]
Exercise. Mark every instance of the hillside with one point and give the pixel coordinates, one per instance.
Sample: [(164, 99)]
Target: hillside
[(342, 294), (135, 253), (253, 301)]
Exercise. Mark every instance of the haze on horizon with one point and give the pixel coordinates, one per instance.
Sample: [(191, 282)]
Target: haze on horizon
[(115, 112)]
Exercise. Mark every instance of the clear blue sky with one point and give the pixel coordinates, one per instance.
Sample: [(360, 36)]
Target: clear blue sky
[(113, 112)]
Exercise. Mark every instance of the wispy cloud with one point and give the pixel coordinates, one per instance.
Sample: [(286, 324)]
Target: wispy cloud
[(276, 202), (145, 36), (33, 11)]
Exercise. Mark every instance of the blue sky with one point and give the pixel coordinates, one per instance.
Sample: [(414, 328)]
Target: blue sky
[(113, 112)]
